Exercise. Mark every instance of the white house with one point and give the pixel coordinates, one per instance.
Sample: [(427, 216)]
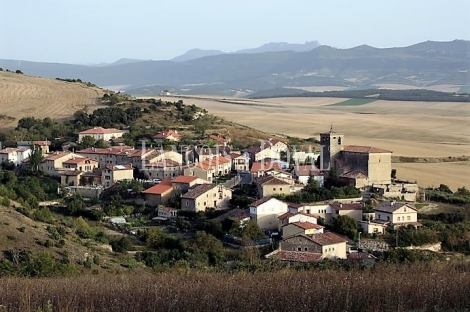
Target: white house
[(303, 172), (265, 212), (100, 133), (15, 155)]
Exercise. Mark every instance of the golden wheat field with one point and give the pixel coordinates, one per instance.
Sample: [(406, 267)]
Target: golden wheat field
[(23, 96), (417, 129)]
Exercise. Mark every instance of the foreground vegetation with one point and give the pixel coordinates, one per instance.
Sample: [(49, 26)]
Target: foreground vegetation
[(430, 287)]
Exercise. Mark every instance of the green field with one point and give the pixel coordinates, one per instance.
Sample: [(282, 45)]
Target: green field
[(464, 89), (354, 102)]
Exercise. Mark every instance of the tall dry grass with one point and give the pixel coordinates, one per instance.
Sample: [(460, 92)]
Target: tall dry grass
[(420, 287)]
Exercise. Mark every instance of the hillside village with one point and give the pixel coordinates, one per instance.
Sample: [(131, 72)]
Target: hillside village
[(259, 184)]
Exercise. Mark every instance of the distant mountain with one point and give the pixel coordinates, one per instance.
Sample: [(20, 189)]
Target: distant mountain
[(282, 46), (196, 53), (422, 65), (125, 61)]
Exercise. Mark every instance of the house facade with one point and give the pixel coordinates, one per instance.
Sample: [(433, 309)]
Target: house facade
[(170, 135), (52, 164), (305, 228), (159, 194), (240, 162), (100, 133), (396, 213), (290, 217), (112, 156), (352, 210), (163, 170), (270, 185), (16, 155), (181, 184), (302, 174), (265, 212), (111, 174), (205, 196)]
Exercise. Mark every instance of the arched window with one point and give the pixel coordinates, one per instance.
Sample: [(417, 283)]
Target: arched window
[(339, 140)]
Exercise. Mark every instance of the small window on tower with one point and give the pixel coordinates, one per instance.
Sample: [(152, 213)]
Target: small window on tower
[(339, 141)]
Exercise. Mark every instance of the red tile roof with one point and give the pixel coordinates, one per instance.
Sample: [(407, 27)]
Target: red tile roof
[(114, 150), (159, 189), (101, 130), (262, 201), (166, 134), (286, 215), (56, 155), (307, 170), (326, 239), (308, 225), (265, 166), (162, 164), (79, 160), (198, 191), (184, 179), (270, 180), (364, 149)]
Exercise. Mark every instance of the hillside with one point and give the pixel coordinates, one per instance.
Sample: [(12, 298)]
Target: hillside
[(432, 65), (21, 235), (22, 95)]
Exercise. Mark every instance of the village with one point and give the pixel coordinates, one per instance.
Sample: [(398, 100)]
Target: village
[(212, 176)]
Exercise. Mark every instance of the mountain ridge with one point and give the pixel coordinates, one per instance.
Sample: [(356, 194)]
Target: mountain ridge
[(420, 65)]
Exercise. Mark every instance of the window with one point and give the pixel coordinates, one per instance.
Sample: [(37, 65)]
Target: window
[(388, 218), (274, 188), (305, 249), (398, 219), (408, 218), (280, 189), (299, 248)]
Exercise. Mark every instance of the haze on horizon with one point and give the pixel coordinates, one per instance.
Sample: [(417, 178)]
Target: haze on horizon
[(86, 31)]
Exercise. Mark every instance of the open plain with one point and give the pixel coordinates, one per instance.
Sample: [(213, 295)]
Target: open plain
[(414, 129)]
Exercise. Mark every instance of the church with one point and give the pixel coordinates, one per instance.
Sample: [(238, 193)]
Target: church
[(360, 165)]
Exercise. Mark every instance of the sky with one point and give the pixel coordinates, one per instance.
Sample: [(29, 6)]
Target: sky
[(95, 31)]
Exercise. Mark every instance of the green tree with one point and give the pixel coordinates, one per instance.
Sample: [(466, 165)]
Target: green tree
[(88, 141), (347, 226), (35, 158)]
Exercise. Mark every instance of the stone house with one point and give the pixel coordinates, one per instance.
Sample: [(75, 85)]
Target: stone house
[(181, 184), (352, 210), (270, 185), (306, 248), (290, 217), (82, 164), (159, 194), (259, 169), (274, 144), (305, 228), (52, 164), (205, 196), (265, 212), (111, 156), (199, 170)]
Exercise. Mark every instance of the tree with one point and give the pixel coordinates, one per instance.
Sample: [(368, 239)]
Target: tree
[(347, 226), (201, 126), (88, 141), (35, 159)]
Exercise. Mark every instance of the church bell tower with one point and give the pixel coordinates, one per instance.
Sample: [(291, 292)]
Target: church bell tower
[(331, 145)]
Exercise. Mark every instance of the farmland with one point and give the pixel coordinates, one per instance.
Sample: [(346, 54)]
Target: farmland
[(22, 95), (415, 129)]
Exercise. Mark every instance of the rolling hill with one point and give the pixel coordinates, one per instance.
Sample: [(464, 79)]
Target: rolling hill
[(425, 65), (22, 95)]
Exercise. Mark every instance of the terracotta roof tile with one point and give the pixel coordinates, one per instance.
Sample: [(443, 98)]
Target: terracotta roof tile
[(307, 170), (101, 130), (261, 201), (265, 166), (325, 239), (308, 225), (198, 190), (184, 179), (270, 180), (159, 189)]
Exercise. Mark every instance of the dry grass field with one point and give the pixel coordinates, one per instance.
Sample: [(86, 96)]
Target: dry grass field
[(417, 129), (23, 96)]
